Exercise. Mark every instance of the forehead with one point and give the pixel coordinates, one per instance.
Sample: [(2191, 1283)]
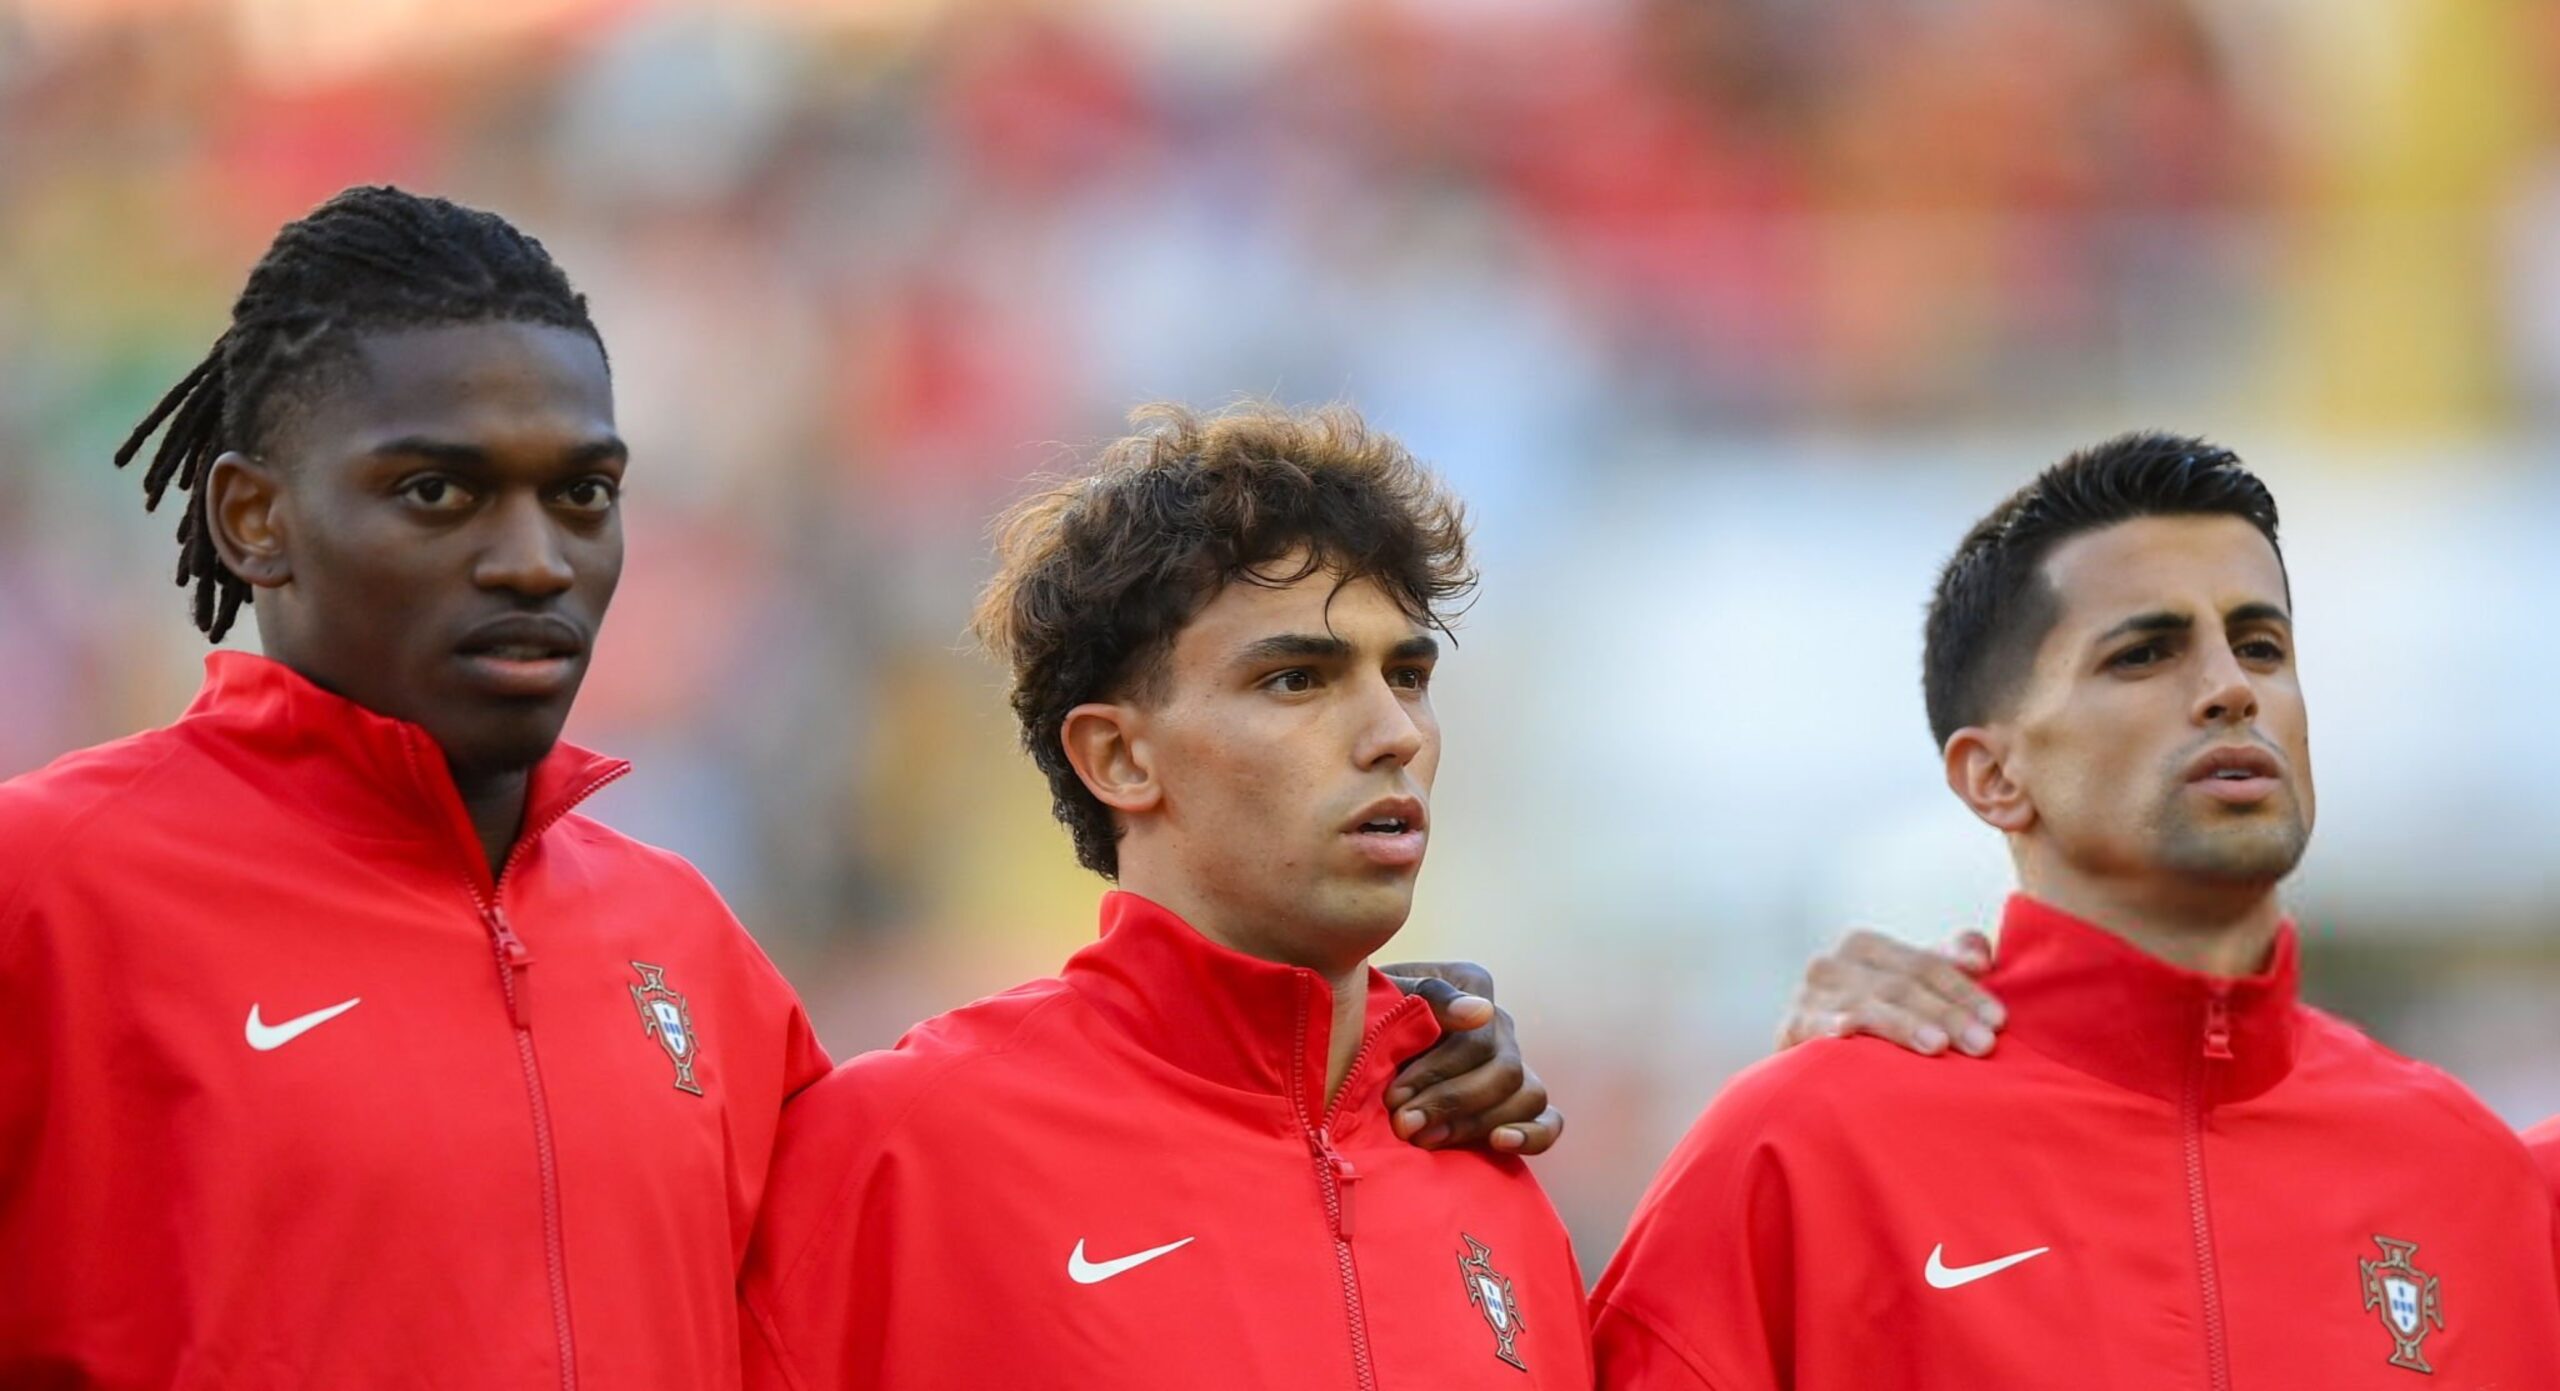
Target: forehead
[(2190, 565), (466, 383), (1318, 603)]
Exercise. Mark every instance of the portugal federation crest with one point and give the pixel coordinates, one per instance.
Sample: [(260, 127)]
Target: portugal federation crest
[(1489, 1290), (2408, 1298), (665, 1016)]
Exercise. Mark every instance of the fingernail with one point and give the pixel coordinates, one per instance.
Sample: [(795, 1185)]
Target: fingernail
[(1931, 1039), (1507, 1138), (1977, 1040), (1433, 1134), (1407, 1122), (1993, 1013)]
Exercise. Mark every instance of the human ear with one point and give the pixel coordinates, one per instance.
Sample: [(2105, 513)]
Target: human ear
[(1105, 745), (244, 510), (1978, 773)]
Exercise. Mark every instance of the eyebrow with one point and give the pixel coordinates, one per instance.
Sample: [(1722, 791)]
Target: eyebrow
[(2163, 621), (1324, 647), (461, 455), (2259, 611)]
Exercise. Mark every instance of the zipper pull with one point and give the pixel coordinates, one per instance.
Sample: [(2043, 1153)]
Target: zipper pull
[(1343, 1177), (519, 956), (2217, 1027)]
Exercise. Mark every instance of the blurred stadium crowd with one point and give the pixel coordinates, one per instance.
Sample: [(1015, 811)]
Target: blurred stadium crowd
[(1687, 296)]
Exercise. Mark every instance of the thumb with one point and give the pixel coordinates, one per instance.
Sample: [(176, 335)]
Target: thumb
[(1456, 1010)]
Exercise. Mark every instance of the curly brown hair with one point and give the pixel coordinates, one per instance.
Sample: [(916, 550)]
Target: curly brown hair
[(1099, 570)]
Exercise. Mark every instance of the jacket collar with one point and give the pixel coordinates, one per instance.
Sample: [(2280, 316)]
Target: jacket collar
[(2085, 997), (1237, 1020), (360, 773)]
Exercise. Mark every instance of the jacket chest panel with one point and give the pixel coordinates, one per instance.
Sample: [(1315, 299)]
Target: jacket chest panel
[(2385, 1258), (1165, 1253), (312, 1026), (630, 1027), (2019, 1235)]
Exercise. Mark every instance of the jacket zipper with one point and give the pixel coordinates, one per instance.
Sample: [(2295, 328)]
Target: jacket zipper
[(1334, 1177), (2217, 1049), (513, 957)]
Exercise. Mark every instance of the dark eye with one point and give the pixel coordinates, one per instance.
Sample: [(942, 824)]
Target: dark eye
[(591, 494), (435, 492), (1410, 678), (2263, 649), (1294, 681), (2148, 654)]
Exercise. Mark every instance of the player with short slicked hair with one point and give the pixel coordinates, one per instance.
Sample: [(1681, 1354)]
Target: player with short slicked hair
[(2173, 1173), (1222, 639)]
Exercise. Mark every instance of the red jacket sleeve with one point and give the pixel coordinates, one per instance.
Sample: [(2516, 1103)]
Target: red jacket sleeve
[(1701, 1296), (813, 1293), (2544, 1141), (24, 1041)]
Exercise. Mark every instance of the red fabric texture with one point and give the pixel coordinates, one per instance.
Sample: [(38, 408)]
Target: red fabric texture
[(483, 1173), (930, 1203), (2213, 1171)]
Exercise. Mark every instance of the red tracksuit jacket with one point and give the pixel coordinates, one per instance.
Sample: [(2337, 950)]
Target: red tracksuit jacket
[(2544, 1141), (292, 1095), (2160, 1181), (1127, 1177)]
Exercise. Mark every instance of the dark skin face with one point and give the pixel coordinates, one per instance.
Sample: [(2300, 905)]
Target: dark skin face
[(436, 537)]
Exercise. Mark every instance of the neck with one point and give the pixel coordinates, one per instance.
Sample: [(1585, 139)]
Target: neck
[(1350, 1023), (2216, 930), (495, 802), (1266, 937)]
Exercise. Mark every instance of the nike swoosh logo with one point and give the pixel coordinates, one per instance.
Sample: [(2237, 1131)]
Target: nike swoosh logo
[(1943, 1278), (264, 1036), (1085, 1272)]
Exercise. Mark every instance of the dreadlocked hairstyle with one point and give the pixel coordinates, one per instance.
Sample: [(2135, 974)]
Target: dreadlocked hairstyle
[(369, 259)]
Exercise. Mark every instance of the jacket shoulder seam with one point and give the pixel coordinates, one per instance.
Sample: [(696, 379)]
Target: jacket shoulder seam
[(2443, 1091), (760, 1325), (13, 916), (874, 1145), (1671, 1341)]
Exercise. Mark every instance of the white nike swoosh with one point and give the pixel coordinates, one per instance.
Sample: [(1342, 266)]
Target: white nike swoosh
[(263, 1035), (1942, 1278), (1085, 1272)]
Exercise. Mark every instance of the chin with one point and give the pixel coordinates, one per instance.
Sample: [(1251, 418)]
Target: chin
[(1368, 915), (2258, 855)]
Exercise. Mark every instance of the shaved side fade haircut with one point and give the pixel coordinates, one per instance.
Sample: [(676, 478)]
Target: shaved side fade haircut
[(1994, 603), (1099, 570)]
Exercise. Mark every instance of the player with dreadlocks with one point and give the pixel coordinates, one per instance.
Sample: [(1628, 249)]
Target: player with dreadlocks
[(339, 1051), (335, 1048)]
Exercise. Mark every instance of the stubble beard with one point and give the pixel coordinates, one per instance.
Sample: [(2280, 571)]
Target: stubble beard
[(2256, 846)]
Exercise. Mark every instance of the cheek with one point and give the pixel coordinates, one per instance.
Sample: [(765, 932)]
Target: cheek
[(1426, 764), (366, 588), (1215, 766), (600, 567)]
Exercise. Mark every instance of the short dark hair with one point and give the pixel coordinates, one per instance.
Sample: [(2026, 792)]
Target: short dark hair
[(368, 259), (1994, 604), (1098, 572)]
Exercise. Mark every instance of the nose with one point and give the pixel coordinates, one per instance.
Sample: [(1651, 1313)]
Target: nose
[(524, 551), (1392, 734), (2227, 695)]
